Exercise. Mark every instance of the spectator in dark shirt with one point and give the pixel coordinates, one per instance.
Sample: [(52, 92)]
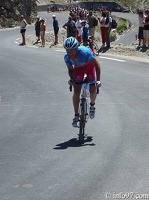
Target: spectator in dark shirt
[(70, 27), (85, 32), (56, 29), (37, 28)]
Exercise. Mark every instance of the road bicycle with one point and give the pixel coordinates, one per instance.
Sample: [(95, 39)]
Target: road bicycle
[(83, 109)]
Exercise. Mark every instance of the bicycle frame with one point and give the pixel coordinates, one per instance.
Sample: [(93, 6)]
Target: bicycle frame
[(83, 110)]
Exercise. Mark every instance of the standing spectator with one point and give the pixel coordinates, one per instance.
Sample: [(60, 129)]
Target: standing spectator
[(70, 27), (56, 29), (102, 21), (146, 29), (37, 28), (85, 32), (141, 18), (108, 25), (23, 25), (42, 32), (79, 29), (91, 25), (48, 9)]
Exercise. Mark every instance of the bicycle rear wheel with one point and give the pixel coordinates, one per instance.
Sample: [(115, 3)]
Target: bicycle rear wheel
[(82, 121)]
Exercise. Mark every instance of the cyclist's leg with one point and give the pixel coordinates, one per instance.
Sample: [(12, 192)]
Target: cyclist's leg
[(78, 78), (91, 78), (76, 97), (89, 70)]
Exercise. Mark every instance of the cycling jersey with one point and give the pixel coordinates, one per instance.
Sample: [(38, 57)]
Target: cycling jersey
[(82, 65), (84, 56)]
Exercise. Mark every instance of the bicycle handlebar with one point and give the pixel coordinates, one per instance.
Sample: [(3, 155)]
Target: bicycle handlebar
[(97, 90), (70, 88)]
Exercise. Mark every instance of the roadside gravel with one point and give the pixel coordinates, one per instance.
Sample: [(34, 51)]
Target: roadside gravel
[(130, 52)]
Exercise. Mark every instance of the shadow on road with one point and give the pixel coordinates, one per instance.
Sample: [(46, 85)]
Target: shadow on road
[(103, 49), (141, 49), (74, 143)]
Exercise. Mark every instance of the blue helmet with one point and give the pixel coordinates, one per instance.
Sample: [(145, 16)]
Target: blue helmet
[(70, 43)]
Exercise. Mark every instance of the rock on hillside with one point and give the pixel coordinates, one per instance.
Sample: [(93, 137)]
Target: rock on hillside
[(10, 11)]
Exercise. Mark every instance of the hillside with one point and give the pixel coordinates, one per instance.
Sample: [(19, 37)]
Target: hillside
[(128, 4), (10, 11)]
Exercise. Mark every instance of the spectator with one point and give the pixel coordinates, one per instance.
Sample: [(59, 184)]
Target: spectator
[(70, 27), (108, 24), (79, 29), (23, 25), (56, 29), (91, 25), (141, 18), (48, 9), (102, 21), (42, 32), (85, 32), (146, 29), (37, 28)]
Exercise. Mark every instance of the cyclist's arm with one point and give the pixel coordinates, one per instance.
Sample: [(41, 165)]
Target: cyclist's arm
[(70, 72)]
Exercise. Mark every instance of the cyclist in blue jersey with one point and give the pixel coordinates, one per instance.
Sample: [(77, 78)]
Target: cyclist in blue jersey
[(80, 61)]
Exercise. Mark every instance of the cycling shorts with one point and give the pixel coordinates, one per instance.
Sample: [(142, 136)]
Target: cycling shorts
[(88, 69)]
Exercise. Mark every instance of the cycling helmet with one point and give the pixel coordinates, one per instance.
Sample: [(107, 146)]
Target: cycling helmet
[(70, 43)]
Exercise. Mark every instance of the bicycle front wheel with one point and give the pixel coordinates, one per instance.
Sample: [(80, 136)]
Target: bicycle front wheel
[(82, 121)]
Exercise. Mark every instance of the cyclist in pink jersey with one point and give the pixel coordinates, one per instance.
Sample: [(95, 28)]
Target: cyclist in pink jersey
[(80, 61)]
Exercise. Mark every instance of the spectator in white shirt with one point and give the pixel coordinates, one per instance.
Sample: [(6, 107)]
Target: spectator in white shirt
[(141, 18), (108, 24), (102, 21), (79, 29)]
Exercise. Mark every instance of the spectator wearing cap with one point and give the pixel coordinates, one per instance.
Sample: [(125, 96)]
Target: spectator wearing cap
[(146, 29), (42, 32), (23, 25), (85, 32), (37, 28), (56, 28)]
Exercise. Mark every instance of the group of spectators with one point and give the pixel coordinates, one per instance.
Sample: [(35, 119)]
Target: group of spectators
[(40, 28), (83, 20), (143, 32), (80, 25)]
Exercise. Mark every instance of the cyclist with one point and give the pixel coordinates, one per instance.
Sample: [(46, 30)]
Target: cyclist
[(80, 61)]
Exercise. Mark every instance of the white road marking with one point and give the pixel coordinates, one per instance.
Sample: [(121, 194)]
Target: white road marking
[(63, 51), (119, 60), (33, 47), (115, 59), (60, 50)]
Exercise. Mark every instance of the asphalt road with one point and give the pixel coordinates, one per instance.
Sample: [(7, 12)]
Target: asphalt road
[(39, 155), (128, 37)]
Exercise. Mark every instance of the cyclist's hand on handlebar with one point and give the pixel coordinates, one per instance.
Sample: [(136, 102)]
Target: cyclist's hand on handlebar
[(98, 83), (70, 82)]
